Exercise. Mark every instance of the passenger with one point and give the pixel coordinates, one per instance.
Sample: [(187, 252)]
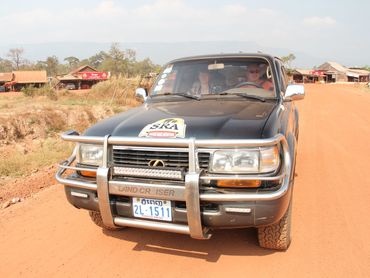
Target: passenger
[(201, 86), (254, 74)]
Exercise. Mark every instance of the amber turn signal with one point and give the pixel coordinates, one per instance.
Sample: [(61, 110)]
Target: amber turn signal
[(88, 174), (239, 183)]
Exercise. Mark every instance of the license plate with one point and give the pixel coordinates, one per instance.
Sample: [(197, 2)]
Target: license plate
[(152, 209)]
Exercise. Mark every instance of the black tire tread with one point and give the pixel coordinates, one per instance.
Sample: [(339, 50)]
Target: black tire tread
[(276, 236), (96, 218)]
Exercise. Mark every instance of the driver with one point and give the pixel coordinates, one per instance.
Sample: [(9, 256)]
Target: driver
[(253, 76)]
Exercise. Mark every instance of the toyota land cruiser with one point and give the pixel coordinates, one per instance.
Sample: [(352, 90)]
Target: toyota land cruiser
[(213, 146)]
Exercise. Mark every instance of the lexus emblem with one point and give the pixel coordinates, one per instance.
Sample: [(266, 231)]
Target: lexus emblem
[(156, 163)]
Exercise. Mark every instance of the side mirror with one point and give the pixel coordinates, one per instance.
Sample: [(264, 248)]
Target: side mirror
[(141, 94), (294, 92)]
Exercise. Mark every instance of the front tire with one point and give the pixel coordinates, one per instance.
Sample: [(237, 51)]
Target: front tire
[(277, 236), (96, 218)]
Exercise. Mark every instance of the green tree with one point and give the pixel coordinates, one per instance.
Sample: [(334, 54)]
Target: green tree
[(72, 61), (287, 60), (52, 64), (117, 59), (63, 69), (40, 65), (145, 67), (97, 60), (130, 55)]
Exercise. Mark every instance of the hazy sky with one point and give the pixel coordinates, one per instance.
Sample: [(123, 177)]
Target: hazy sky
[(321, 28)]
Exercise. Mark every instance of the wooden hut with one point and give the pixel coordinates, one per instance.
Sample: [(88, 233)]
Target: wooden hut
[(83, 77)]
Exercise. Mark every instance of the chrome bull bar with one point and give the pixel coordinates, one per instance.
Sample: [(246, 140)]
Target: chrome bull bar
[(189, 193)]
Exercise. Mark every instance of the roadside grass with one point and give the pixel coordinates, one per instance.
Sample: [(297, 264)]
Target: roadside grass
[(79, 102), (47, 90), (115, 92), (48, 152), (6, 106), (43, 113), (119, 91), (9, 103), (20, 103)]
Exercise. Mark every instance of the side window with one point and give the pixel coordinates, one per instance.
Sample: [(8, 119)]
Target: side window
[(280, 74), (284, 78)]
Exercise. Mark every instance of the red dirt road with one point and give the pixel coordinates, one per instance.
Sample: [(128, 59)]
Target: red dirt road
[(45, 236)]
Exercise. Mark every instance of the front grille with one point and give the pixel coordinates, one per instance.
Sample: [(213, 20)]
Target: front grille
[(203, 160), (142, 158)]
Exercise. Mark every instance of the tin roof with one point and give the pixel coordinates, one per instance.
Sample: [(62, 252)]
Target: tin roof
[(357, 73), (333, 65), (83, 68), (338, 67), (302, 71), (360, 71), (6, 76), (30, 76)]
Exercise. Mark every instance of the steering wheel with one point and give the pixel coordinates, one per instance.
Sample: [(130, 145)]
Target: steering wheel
[(248, 84)]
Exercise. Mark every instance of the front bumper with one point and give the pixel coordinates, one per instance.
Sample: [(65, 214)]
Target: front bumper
[(194, 211)]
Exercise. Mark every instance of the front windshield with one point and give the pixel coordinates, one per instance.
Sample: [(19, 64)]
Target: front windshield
[(216, 76)]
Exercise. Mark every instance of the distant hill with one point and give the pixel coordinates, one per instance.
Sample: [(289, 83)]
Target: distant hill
[(158, 52)]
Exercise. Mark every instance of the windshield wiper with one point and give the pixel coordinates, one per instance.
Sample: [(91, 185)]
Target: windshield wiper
[(178, 94), (187, 95), (245, 96)]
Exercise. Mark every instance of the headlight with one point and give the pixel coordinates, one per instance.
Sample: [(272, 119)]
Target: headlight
[(245, 161), (90, 154)]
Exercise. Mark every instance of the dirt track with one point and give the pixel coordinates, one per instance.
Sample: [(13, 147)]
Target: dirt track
[(45, 236)]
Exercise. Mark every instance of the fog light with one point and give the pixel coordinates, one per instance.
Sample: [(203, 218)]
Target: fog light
[(239, 183)]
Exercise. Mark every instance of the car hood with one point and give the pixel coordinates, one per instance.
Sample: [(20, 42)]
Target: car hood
[(205, 119)]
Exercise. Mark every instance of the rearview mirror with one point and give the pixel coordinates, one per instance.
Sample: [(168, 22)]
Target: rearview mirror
[(141, 94), (294, 92), (216, 66)]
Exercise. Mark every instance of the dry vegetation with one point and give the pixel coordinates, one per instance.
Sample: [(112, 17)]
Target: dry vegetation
[(30, 123), (117, 90), (29, 156)]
